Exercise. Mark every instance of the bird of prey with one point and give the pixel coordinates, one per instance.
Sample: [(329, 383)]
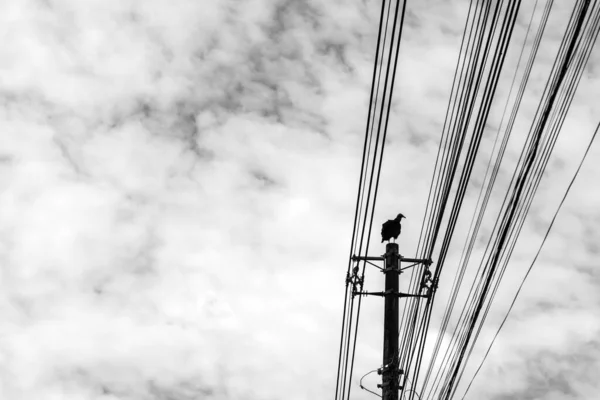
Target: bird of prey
[(391, 228)]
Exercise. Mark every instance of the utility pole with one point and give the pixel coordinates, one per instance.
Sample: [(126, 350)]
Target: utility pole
[(389, 371), (391, 361)]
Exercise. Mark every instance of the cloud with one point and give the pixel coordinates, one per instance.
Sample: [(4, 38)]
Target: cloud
[(177, 189)]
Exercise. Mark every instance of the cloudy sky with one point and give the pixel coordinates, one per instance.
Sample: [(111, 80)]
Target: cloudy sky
[(177, 188)]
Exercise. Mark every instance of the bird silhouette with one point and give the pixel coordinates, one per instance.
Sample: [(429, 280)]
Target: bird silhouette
[(391, 228)]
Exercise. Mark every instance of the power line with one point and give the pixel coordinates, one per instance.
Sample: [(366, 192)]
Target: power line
[(534, 259), (387, 52), (486, 39)]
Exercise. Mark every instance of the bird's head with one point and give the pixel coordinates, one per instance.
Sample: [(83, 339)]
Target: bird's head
[(399, 217)]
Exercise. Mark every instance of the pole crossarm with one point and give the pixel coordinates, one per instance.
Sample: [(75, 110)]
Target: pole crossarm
[(391, 293), (426, 262), (359, 258)]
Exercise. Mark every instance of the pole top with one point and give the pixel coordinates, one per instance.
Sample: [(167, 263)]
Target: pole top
[(391, 248)]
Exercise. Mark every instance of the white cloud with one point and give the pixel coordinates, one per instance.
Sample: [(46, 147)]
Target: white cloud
[(177, 189)]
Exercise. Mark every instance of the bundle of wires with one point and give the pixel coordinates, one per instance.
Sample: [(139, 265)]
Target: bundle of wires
[(487, 35), (442, 376), (486, 39), (382, 87)]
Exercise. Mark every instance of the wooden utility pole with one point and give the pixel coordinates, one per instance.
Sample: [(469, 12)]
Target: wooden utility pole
[(390, 324)]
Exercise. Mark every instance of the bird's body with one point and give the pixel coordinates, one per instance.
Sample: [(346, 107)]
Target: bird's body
[(391, 228)]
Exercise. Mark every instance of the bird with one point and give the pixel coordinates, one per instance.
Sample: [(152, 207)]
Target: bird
[(391, 228)]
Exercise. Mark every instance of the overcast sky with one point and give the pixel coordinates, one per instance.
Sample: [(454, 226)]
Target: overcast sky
[(177, 188)]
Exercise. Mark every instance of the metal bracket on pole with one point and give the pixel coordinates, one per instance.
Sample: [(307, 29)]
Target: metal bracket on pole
[(368, 260)]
